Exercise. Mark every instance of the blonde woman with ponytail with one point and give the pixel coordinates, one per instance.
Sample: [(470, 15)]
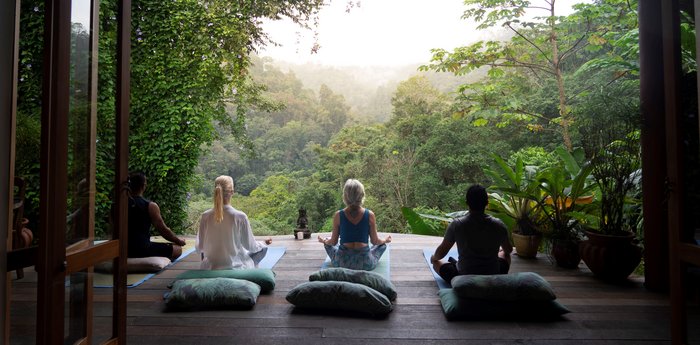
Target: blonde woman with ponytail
[(225, 239)]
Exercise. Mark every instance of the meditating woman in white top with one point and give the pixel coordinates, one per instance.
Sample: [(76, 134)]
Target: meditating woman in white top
[(225, 239)]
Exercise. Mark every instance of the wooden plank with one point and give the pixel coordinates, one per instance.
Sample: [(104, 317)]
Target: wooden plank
[(602, 313)]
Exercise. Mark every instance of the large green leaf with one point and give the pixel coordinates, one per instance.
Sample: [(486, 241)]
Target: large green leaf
[(569, 161), (418, 226)]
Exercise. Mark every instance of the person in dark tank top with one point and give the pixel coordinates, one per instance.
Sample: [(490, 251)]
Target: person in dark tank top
[(144, 213), (482, 241), (354, 227)]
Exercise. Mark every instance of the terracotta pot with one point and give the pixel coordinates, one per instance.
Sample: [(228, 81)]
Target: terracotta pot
[(566, 253), (25, 236), (610, 257), (526, 245)]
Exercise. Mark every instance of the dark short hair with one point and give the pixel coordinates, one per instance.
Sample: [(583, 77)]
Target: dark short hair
[(137, 180), (477, 199)]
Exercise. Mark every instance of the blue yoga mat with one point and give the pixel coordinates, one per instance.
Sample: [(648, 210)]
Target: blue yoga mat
[(274, 254), (427, 253), (102, 280), (383, 267)]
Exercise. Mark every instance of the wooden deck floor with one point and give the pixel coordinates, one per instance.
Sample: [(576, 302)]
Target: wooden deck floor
[(602, 313)]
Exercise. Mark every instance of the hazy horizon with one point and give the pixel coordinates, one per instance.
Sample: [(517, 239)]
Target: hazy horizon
[(380, 33)]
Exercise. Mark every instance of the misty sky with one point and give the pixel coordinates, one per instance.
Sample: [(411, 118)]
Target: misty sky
[(379, 32)]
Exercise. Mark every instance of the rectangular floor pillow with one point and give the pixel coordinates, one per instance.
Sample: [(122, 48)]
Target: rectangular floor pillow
[(458, 308), (371, 279), (264, 277), (150, 264), (339, 295), (521, 286), (212, 293)]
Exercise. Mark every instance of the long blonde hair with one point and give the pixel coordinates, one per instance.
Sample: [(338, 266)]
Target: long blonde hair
[(223, 189)]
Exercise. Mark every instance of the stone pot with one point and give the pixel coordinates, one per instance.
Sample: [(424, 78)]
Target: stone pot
[(610, 257), (526, 245)]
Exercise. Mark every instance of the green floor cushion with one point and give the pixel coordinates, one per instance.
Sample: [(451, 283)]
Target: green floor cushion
[(521, 286), (150, 264), (212, 293), (374, 280), (457, 308), (261, 276), (339, 295)]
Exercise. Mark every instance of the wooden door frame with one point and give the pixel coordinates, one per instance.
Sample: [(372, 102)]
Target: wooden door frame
[(9, 32), (121, 168), (670, 21), (54, 176), (52, 264), (653, 140), (681, 252)]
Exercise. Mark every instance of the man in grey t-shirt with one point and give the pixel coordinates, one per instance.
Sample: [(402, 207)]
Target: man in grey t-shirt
[(482, 241)]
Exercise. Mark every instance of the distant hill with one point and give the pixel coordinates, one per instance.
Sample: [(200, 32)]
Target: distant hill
[(368, 89)]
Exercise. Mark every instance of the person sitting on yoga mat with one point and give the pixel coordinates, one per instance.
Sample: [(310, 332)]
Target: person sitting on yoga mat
[(353, 226), (225, 239), (482, 241), (143, 213)]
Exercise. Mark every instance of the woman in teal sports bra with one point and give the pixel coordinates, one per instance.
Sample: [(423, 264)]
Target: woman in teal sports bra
[(354, 227)]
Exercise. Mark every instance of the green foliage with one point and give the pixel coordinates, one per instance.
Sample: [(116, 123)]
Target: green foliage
[(561, 189), (535, 156), (421, 227), (541, 56), (521, 213), (195, 208), (189, 71), (417, 96)]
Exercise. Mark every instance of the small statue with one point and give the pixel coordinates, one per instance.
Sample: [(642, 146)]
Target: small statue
[(302, 231), (302, 221)]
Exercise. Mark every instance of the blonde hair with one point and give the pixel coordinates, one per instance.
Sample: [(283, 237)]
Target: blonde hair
[(353, 193), (223, 189)]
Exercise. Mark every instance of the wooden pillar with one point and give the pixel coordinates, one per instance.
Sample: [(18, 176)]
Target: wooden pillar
[(121, 167), (670, 27), (9, 31), (54, 173), (653, 146)]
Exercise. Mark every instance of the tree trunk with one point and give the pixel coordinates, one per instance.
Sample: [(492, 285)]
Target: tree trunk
[(563, 108)]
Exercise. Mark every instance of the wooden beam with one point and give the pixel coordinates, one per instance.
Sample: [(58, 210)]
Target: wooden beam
[(670, 22), (21, 258), (653, 141), (121, 167), (54, 174), (689, 253), (9, 40), (82, 259)]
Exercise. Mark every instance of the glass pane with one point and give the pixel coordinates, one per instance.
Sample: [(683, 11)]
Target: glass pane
[(23, 309), (102, 310), (76, 299), (693, 304), (79, 125), (690, 140), (105, 144), (22, 302), (102, 303), (79, 155)]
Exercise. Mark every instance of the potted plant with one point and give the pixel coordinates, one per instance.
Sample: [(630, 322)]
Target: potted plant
[(512, 202), (609, 251), (566, 194)]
